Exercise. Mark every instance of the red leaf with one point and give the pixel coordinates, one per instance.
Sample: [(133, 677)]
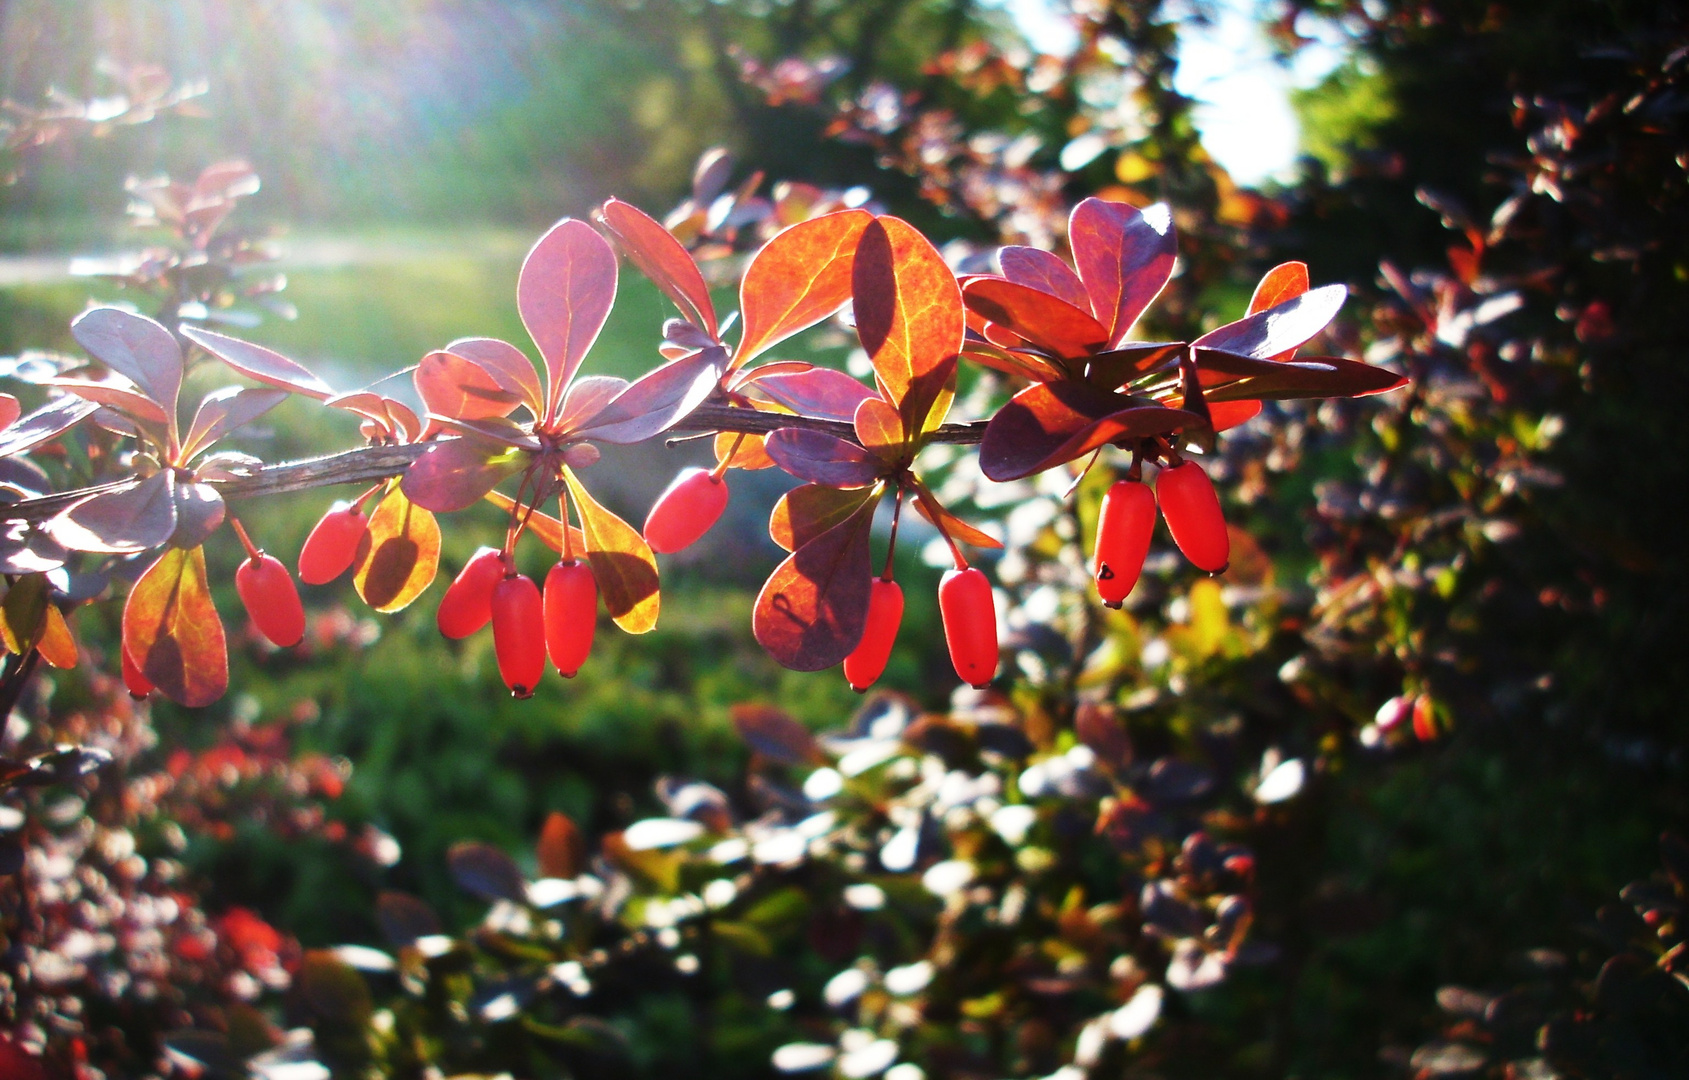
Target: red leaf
[(659, 399), (456, 473), (1309, 377), (586, 398), (823, 392), (949, 524), (44, 425), (811, 611), (805, 512), (908, 307), (135, 347), (1112, 370), (223, 411), (661, 258), (1125, 257), (508, 365), (454, 386), (564, 294), (1012, 361), (366, 403), (171, 630), (1225, 415), (879, 429), (1286, 281), (799, 278), (1045, 321), (621, 561), (1038, 269), (9, 410), (130, 519), (256, 362), (1050, 423), (821, 458), (1278, 329), (559, 852)]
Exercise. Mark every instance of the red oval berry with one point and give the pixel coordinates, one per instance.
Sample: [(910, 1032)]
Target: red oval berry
[(467, 605), (885, 613), (519, 633), (571, 614), (970, 624), (332, 545), (134, 679), (1124, 526), (271, 599), (683, 513), (1192, 510)]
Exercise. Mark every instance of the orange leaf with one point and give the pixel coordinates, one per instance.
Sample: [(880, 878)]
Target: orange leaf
[(879, 429), (799, 278), (949, 524), (543, 525), (559, 852), (750, 455), (908, 310), (1286, 281), (57, 644), (171, 630), (809, 510), (621, 561), (399, 555)]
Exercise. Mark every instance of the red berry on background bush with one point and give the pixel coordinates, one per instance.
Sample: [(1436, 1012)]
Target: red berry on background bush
[(519, 633), (138, 685), (885, 614), (271, 599), (1192, 510), (467, 605), (571, 614), (1124, 526), (685, 512), (332, 545), (970, 624)]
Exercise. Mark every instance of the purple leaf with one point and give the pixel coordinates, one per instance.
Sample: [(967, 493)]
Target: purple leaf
[(812, 609), (1125, 257), (1050, 423), (564, 294), (496, 431), (823, 392), (135, 347), (1047, 322), (455, 386), (256, 362), (586, 398), (507, 364), (199, 510), (129, 519), (1309, 377), (1278, 329), (1038, 269), (821, 458), (223, 411), (455, 473), (659, 399), (1112, 370), (44, 424), (113, 395), (486, 872)]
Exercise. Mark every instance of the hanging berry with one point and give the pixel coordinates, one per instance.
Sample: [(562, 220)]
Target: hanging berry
[(332, 545), (685, 512), (885, 614), (271, 599), (519, 633), (571, 614), (1124, 526), (467, 605), (1192, 510), (970, 624)]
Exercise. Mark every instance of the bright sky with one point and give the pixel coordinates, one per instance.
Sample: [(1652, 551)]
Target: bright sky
[(1245, 119)]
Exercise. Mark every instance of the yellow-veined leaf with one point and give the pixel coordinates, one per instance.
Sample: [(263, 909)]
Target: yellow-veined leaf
[(57, 644), (171, 630), (400, 554), (621, 561)]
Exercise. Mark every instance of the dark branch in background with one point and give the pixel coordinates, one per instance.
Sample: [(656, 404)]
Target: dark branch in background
[(371, 463)]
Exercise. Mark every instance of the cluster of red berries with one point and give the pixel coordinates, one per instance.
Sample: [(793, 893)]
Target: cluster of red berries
[(1192, 510), (528, 625), (969, 614)]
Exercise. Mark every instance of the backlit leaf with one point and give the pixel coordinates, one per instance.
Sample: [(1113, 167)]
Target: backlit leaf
[(135, 347), (809, 510), (256, 362), (44, 424), (564, 294), (199, 511), (1045, 321), (508, 365), (748, 451), (1278, 329), (948, 523), (661, 258), (799, 278), (659, 399), (879, 429), (399, 555), (1038, 269), (1016, 362), (171, 630), (1050, 423), (455, 386), (223, 411), (129, 519), (23, 613), (559, 852), (774, 734), (453, 474), (1125, 257), (812, 609), (1225, 415), (819, 391), (621, 561), (908, 307), (9, 410), (821, 458), (586, 398), (57, 645), (547, 529), (130, 402), (1309, 377), (1286, 281), (1114, 369)]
